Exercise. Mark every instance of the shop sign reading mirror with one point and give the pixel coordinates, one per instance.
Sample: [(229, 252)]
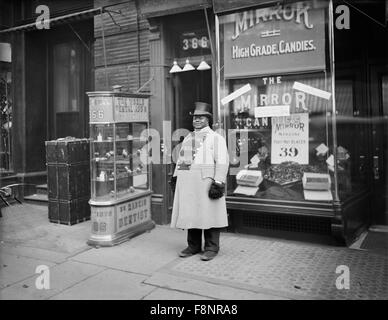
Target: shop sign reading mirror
[(274, 40)]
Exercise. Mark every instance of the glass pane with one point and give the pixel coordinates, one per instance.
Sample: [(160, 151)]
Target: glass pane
[(279, 129), (124, 159), (5, 108), (102, 161), (352, 137), (384, 86), (384, 91), (67, 90), (66, 73), (139, 151)]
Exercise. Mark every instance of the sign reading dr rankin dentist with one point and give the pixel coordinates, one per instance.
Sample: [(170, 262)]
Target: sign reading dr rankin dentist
[(274, 40)]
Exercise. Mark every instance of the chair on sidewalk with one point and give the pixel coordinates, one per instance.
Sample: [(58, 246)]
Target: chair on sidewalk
[(8, 193)]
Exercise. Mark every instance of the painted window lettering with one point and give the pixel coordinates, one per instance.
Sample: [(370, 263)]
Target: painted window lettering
[(249, 19)]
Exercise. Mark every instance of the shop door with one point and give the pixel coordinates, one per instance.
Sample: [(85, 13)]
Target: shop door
[(379, 96), (188, 87), (67, 74)]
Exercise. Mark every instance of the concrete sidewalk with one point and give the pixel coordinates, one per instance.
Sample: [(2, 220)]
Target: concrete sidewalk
[(147, 267)]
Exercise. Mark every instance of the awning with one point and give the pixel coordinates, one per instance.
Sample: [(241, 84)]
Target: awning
[(159, 8), (73, 17), (222, 6)]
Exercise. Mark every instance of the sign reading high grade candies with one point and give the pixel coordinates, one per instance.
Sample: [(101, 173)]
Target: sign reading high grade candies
[(290, 139), (274, 40)]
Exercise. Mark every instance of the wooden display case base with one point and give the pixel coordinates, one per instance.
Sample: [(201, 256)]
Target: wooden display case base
[(118, 221), (121, 237)]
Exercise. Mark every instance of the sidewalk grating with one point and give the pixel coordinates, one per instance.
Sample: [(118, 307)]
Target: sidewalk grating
[(290, 269)]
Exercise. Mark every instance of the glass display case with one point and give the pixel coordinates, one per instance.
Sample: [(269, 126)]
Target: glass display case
[(117, 167), (120, 171)]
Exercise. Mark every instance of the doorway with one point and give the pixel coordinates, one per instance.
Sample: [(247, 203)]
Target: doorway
[(379, 97), (190, 87), (384, 168), (67, 90), (69, 74)]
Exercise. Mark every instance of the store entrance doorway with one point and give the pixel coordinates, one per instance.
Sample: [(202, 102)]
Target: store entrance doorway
[(379, 96), (189, 87), (69, 77), (67, 90)]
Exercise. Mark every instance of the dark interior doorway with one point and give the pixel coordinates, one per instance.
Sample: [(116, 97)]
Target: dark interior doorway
[(189, 87), (70, 76), (379, 99)]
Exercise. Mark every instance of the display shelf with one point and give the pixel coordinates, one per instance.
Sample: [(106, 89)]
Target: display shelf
[(116, 140)]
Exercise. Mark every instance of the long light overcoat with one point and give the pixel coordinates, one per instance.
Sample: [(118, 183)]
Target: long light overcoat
[(207, 154)]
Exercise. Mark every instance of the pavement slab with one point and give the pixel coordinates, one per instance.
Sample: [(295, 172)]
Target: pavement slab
[(199, 286), (28, 225), (165, 294), (108, 285), (14, 268), (144, 254), (61, 277), (35, 253)]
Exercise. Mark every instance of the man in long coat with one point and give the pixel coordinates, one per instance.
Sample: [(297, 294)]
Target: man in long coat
[(202, 166)]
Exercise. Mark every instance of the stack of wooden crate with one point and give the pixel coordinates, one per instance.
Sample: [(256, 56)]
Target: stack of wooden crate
[(68, 180)]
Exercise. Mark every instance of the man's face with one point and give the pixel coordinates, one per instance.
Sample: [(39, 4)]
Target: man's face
[(200, 122)]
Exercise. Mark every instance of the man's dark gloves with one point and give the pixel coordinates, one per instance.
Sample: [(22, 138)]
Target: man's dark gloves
[(216, 190), (172, 183)]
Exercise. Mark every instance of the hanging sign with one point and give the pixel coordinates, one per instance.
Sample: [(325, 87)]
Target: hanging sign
[(128, 109), (112, 108), (274, 40), (290, 139)]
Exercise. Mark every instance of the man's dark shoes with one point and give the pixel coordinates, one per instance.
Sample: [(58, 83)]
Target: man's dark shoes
[(208, 255), (187, 253)]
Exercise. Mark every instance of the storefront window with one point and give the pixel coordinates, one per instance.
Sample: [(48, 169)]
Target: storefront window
[(276, 102), (5, 108)]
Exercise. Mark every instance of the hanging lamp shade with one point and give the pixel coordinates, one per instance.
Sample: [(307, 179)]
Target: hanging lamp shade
[(203, 66), (175, 68), (188, 66)]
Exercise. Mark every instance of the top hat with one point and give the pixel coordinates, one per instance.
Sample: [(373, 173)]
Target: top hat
[(202, 109)]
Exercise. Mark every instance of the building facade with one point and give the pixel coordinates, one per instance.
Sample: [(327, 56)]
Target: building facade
[(298, 88)]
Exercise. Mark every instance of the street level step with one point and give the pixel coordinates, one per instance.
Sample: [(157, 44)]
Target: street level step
[(40, 199), (41, 189)]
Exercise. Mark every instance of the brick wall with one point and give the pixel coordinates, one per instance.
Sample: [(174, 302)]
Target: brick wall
[(126, 46)]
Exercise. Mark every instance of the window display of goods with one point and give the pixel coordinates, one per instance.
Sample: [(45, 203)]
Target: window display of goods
[(288, 172)]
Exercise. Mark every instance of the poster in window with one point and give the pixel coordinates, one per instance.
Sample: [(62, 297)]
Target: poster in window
[(290, 139)]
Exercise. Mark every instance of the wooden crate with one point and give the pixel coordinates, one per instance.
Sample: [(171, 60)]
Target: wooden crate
[(69, 212), (67, 182), (67, 151)]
